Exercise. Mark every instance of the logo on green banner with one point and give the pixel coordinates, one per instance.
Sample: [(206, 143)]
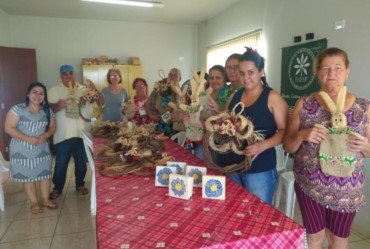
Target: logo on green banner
[(300, 70), (297, 74)]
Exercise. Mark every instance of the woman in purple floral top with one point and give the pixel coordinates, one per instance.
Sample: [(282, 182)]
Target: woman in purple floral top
[(328, 203)]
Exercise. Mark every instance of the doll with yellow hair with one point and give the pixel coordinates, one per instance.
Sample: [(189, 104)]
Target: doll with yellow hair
[(335, 158)]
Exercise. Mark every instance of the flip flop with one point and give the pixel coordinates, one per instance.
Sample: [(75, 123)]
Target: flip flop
[(54, 194), (82, 190), (50, 205), (36, 209)]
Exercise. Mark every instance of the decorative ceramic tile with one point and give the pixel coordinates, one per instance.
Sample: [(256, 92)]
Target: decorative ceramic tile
[(162, 175), (180, 166), (197, 172), (180, 186), (213, 187)]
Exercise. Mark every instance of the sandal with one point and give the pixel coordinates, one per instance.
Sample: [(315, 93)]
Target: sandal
[(54, 194), (50, 205), (82, 190), (36, 209)]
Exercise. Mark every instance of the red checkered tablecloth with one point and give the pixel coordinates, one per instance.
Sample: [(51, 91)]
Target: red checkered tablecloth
[(133, 213)]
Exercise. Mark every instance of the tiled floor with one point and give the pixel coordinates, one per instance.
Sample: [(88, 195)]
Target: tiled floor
[(71, 226), (357, 240)]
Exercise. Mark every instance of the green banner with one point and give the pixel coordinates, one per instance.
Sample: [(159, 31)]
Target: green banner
[(297, 75)]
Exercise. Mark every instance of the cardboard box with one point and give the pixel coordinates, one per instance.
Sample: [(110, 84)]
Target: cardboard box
[(134, 61)]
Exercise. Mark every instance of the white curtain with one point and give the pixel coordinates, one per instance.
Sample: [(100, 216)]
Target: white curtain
[(217, 54)]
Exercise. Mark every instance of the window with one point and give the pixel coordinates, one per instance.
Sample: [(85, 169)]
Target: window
[(217, 54)]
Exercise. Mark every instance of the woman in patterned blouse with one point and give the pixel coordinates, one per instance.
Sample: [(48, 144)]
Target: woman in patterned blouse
[(328, 203), (141, 96)]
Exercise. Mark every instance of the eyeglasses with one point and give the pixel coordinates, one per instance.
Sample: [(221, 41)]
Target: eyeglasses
[(67, 73), (114, 76), (230, 68), (139, 86)]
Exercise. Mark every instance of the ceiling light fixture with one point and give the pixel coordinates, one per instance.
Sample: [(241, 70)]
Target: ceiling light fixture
[(138, 3)]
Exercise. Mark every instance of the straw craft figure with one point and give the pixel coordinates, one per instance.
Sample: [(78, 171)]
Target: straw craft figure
[(89, 97), (72, 109), (335, 158), (193, 127), (160, 92), (229, 132), (133, 151), (129, 108), (178, 115)]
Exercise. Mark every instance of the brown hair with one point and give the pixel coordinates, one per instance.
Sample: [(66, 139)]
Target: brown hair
[(231, 57), (138, 80), (327, 53), (112, 70)]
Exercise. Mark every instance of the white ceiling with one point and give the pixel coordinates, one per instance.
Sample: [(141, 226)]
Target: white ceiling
[(174, 11)]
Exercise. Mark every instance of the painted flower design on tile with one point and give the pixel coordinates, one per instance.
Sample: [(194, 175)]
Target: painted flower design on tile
[(178, 168), (163, 176), (213, 188), (178, 187), (197, 175)]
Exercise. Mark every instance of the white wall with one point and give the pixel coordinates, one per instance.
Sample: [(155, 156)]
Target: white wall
[(66, 41), (280, 21), (4, 29), (241, 18)]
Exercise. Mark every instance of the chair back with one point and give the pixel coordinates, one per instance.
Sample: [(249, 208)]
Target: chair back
[(88, 147), (88, 144), (180, 137), (4, 165), (281, 158)]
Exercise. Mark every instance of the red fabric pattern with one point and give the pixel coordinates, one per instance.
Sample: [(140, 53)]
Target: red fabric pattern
[(133, 213)]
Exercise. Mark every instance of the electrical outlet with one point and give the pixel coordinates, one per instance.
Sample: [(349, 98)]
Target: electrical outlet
[(339, 24)]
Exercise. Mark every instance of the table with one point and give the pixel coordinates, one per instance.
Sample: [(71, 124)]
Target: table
[(133, 213)]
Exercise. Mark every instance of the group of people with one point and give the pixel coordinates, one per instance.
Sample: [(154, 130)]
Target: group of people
[(31, 125), (328, 203)]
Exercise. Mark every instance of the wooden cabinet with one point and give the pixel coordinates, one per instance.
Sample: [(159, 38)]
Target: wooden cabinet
[(17, 70), (98, 75)]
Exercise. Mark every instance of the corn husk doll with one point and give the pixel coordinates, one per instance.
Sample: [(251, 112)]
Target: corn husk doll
[(193, 126), (72, 109), (335, 158)]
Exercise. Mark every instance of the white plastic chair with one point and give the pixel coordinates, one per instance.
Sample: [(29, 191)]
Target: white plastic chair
[(180, 137), (281, 158), (88, 144), (286, 180), (4, 167)]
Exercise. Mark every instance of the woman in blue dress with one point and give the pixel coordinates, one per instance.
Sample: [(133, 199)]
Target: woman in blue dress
[(30, 125)]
